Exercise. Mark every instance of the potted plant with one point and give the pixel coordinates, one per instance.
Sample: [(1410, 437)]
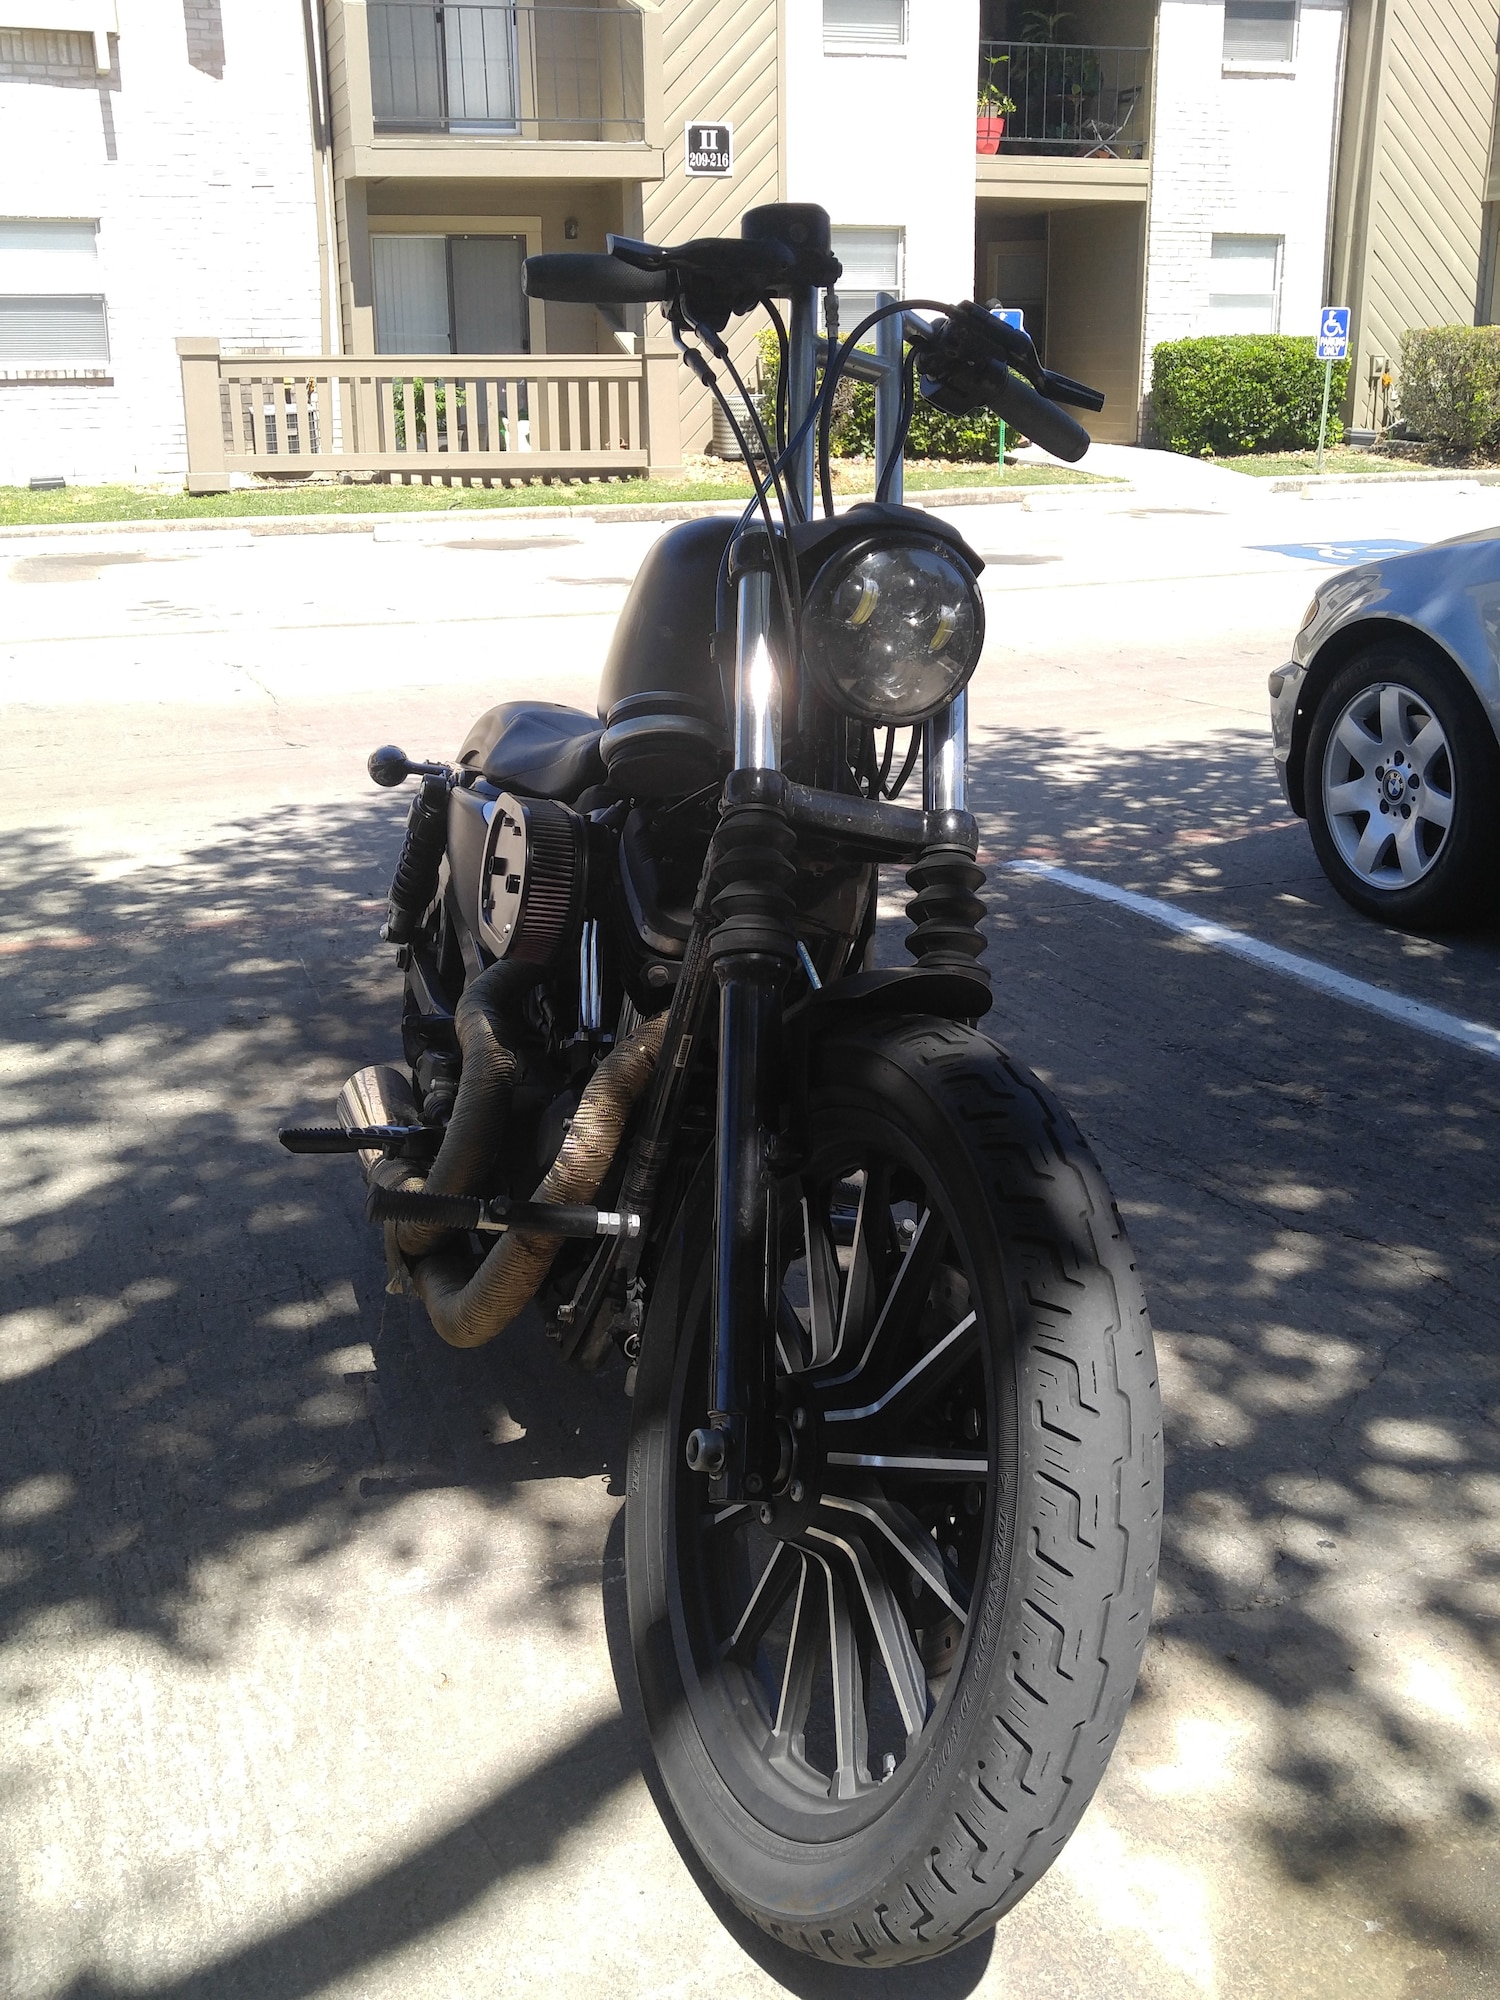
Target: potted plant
[(993, 108)]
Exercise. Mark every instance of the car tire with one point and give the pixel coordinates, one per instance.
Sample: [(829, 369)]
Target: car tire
[(1402, 788)]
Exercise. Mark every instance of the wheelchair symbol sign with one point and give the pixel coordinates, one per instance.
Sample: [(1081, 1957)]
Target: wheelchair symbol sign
[(1333, 333)]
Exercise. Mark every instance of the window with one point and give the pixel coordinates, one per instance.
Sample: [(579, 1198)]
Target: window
[(862, 26), (449, 69), (1260, 31), (1244, 284), (872, 263), (51, 308), (449, 295)]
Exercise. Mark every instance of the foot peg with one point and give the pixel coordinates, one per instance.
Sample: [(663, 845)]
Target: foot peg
[(407, 1141), (471, 1211)]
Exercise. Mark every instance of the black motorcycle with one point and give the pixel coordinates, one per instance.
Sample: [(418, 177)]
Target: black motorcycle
[(894, 1486)]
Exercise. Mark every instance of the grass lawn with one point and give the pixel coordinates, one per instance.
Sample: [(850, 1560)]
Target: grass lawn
[(1338, 458), (20, 507)]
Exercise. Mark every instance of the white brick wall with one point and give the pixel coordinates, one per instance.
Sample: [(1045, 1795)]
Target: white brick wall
[(888, 140), (1238, 155), (203, 190)]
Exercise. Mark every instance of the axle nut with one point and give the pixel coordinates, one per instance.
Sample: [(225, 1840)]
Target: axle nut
[(706, 1452)]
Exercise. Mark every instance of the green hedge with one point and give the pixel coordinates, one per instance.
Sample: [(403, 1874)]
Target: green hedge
[(1450, 385), (1239, 392), (968, 440)]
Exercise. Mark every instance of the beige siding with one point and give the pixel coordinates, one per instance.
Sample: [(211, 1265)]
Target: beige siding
[(337, 45), (719, 61), (1413, 172), (338, 76), (1095, 260)]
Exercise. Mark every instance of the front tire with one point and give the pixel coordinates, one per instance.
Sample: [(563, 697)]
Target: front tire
[(1402, 784), (880, 1707)]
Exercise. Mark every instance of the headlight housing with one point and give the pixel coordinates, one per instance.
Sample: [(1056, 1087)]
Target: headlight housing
[(892, 628)]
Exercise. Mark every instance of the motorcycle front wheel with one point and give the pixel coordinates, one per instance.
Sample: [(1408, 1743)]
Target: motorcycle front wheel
[(881, 1696)]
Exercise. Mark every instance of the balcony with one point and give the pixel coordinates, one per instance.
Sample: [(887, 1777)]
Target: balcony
[(1067, 101), (450, 418), (564, 75)]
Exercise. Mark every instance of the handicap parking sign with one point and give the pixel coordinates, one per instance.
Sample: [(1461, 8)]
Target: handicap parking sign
[(1333, 333), (1012, 316)]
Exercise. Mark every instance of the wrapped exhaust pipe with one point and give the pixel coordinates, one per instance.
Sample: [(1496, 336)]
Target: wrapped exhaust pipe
[(488, 1075), (470, 1309)]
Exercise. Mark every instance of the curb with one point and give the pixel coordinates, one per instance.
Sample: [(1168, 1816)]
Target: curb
[(1318, 482), (444, 523)]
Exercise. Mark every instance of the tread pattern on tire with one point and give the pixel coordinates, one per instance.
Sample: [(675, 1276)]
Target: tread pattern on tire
[(1074, 1601)]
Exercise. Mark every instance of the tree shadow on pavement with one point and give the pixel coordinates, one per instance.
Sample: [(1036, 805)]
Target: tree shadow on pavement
[(187, 1343), (185, 1365), (1313, 1196)]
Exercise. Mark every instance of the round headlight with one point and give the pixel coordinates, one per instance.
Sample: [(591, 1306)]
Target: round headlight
[(892, 630)]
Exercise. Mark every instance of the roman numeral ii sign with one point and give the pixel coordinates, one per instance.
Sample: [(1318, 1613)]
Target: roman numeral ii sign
[(710, 148)]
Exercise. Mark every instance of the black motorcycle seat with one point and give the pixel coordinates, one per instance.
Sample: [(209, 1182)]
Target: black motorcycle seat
[(537, 748)]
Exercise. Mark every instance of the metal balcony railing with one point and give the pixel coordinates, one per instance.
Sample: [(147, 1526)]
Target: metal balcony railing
[(527, 72), (1068, 98)]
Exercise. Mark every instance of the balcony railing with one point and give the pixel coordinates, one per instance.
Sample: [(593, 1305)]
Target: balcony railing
[(528, 72), (442, 416), (1068, 98)]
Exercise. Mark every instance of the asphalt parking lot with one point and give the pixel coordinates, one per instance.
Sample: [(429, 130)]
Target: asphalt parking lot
[(311, 1665)]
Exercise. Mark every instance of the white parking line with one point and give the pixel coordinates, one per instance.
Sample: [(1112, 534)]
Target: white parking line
[(1475, 1035)]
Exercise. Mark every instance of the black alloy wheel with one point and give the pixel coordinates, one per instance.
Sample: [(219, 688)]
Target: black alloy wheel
[(932, 1624)]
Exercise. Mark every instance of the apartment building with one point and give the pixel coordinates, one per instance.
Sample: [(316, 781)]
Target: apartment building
[(157, 177), (257, 232)]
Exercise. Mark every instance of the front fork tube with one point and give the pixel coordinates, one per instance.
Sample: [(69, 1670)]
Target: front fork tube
[(746, 1226), (753, 948)]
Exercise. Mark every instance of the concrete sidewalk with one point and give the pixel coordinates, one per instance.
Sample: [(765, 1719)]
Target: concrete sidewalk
[(1161, 481)]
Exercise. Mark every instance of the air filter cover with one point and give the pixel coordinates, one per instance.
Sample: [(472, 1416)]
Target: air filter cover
[(534, 875)]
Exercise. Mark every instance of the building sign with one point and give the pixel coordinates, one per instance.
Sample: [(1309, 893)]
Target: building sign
[(710, 148), (1333, 333)]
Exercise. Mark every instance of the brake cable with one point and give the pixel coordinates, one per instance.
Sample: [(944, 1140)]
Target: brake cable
[(783, 350), (835, 369)]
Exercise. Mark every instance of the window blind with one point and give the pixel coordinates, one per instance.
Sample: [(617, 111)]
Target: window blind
[(1243, 284), (57, 332), (1260, 30), (864, 24)]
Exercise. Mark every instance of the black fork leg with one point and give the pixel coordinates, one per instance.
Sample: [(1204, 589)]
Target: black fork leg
[(753, 949)]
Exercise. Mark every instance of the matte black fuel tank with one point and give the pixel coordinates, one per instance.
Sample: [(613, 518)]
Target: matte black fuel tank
[(662, 643)]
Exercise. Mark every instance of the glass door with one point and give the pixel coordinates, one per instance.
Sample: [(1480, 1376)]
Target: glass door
[(449, 295)]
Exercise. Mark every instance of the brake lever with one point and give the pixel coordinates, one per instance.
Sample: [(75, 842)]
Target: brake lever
[(1063, 389), (630, 250), (960, 348)]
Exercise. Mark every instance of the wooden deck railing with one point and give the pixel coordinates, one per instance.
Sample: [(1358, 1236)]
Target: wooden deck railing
[(443, 416)]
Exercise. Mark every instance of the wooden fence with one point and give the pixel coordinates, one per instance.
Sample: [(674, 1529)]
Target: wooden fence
[(430, 417)]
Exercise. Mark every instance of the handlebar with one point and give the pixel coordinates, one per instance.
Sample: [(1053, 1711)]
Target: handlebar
[(579, 278), (968, 360)]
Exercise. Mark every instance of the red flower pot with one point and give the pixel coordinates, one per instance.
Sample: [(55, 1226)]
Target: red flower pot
[(988, 132)]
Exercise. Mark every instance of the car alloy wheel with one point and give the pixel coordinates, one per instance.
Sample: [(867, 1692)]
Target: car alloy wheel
[(1402, 789), (1388, 786)]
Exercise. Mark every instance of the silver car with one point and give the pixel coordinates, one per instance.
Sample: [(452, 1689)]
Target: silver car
[(1386, 722)]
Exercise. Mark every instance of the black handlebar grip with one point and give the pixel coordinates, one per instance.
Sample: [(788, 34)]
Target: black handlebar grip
[(1011, 396), (583, 279)]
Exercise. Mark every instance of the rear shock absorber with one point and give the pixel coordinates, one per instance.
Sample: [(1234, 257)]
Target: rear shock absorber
[(416, 878)]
